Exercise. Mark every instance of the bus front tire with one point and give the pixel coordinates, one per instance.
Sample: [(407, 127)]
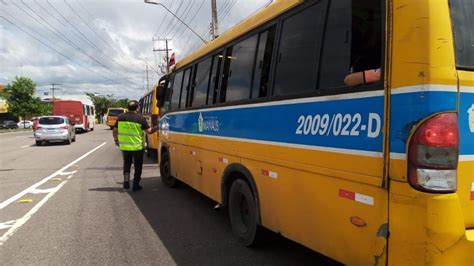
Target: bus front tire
[(243, 213), (165, 171)]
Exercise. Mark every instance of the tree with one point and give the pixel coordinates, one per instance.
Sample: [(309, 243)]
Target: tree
[(120, 103), (21, 101), (103, 103)]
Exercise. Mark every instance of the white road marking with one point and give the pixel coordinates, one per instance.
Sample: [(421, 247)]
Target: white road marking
[(18, 223), (26, 146), (42, 191), (68, 173), (46, 179), (8, 224)]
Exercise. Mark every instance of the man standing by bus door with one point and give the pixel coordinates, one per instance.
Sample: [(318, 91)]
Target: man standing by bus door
[(128, 135)]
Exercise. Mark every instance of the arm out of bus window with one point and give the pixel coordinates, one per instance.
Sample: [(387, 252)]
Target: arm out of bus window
[(362, 77)]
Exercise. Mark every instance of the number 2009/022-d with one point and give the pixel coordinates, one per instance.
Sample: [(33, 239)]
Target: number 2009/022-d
[(339, 125)]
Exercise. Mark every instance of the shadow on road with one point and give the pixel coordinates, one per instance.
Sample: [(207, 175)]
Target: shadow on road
[(108, 189), (195, 234)]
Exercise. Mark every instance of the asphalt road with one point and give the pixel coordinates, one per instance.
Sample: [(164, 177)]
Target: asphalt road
[(60, 207)]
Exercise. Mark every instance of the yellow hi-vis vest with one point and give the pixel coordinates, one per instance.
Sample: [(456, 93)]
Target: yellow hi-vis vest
[(130, 136)]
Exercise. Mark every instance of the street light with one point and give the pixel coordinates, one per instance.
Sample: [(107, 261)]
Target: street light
[(187, 26)]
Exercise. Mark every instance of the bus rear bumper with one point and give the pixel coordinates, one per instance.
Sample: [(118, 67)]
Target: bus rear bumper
[(459, 253), (448, 240), (79, 127)]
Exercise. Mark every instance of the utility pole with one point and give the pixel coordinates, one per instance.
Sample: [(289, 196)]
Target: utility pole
[(214, 29), (53, 89), (164, 50), (147, 82)]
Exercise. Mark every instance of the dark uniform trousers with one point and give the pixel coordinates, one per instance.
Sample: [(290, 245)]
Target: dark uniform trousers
[(137, 158)]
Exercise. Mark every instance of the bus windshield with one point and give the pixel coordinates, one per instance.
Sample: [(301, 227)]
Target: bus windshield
[(462, 19)]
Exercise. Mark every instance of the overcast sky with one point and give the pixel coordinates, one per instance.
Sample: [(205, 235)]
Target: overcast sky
[(102, 46)]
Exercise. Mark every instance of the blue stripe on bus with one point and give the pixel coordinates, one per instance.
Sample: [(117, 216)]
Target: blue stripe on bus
[(466, 130), (335, 124), (354, 124)]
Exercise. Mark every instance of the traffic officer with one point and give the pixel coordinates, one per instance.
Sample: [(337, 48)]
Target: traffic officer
[(128, 135)]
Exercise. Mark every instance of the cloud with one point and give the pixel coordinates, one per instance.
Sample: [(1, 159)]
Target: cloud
[(100, 46)]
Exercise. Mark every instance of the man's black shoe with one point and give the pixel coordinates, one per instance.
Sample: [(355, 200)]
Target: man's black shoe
[(126, 185), (137, 188)]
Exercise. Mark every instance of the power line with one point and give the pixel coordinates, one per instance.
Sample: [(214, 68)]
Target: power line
[(62, 36), (81, 34), (87, 24), (183, 17), (163, 20), (52, 48), (224, 13), (91, 16), (53, 29), (192, 19), (170, 22)]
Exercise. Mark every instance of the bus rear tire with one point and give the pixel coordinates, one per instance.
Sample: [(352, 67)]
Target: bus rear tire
[(243, 213), (165, 171)]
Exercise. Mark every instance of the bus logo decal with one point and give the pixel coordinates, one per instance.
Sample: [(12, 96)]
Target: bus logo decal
[(209, 124), (200, 122)]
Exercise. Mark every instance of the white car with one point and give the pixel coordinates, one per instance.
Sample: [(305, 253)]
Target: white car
[(54, 128), (25, 124)]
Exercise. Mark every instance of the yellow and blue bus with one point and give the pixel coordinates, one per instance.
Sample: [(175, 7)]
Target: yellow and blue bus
[(149, 109), (346, 126)]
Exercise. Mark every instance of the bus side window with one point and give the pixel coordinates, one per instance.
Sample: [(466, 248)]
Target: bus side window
[(166, 104), (201, 82), (176, 92), (262, 63), (352, 41), (185, 91), (240, 59), (214, 82), (299, 50)]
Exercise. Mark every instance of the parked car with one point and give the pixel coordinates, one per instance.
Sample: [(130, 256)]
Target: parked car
[(8, 124), (25, 124), (54, 128)]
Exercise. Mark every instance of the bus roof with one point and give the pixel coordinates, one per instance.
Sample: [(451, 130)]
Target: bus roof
[(274, 9)]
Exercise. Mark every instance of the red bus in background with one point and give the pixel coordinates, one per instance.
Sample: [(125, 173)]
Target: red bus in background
[(80, 114)]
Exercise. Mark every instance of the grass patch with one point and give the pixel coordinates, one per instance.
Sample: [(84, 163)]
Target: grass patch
[(3, 130)]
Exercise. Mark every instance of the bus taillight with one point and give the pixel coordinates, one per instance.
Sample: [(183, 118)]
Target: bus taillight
[(433, 154)]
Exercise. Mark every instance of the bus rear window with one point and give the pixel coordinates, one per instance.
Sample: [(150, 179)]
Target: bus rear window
[(463, 21), (115, 112)]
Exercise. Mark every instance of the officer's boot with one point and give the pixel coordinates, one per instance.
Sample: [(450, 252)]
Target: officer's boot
[(126, 180)]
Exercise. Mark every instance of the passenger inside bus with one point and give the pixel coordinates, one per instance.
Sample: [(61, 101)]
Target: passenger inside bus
[(366, 48)]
